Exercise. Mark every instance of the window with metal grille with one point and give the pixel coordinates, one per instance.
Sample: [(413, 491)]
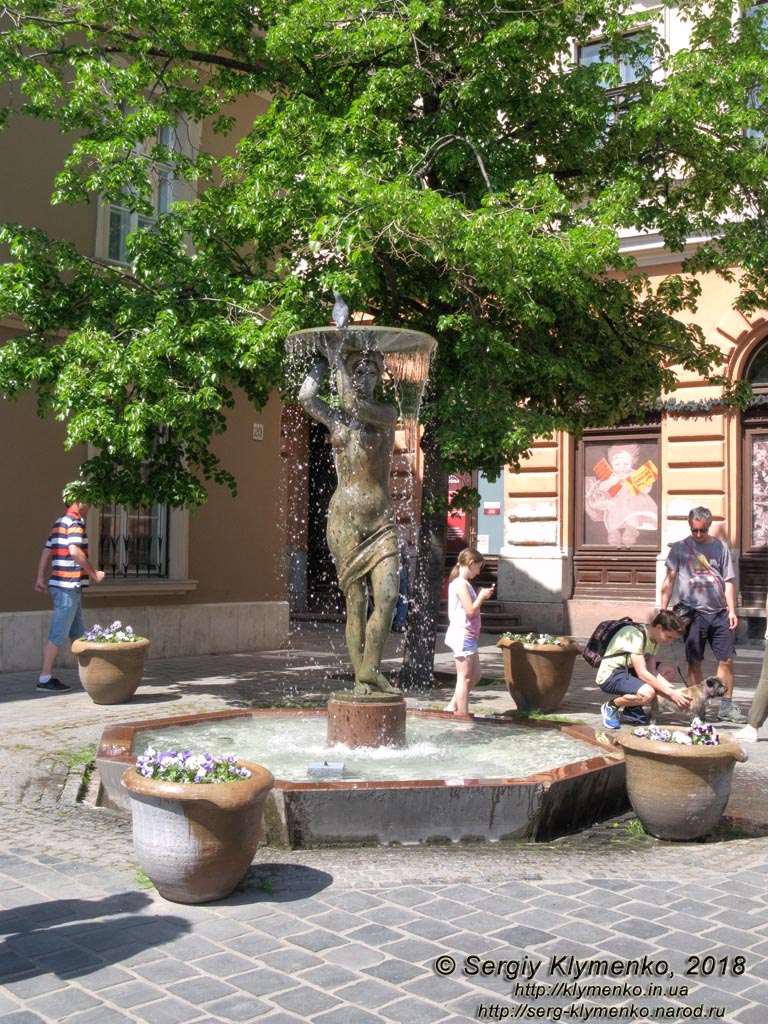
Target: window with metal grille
[(133, 542)]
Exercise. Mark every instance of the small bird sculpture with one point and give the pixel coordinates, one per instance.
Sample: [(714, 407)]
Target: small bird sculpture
[(340, 312)]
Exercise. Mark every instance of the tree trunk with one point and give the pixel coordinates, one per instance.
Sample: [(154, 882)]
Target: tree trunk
[(419, 656)]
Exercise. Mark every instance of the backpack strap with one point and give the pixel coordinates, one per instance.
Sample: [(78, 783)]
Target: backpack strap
[(644, 634)]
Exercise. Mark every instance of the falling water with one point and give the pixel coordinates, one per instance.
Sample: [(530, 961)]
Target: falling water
[(406, 356)]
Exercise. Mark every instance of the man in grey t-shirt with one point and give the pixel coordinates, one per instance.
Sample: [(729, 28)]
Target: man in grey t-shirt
[(702, 566)]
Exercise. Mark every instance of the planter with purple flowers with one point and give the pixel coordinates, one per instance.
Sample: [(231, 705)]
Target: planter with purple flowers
[(197, 821), (110, 662), (679, 780)]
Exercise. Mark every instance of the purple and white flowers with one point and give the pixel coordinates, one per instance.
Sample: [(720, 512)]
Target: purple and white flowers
[(184, 766), (535, 638), (699, 734), (117, 633)]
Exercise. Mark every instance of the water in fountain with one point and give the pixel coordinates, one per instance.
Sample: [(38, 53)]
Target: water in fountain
[(436, 749)]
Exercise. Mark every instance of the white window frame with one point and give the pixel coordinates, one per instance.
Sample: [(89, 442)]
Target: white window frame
[(184, 138)]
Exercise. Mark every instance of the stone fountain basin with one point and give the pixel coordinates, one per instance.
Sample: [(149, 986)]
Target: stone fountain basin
[(328, 812)]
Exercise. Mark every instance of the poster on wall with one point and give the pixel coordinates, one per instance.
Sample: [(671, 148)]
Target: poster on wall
[(759, 538), (621, 482)]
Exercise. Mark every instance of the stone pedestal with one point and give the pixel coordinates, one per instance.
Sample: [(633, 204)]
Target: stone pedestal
[(369, 720)]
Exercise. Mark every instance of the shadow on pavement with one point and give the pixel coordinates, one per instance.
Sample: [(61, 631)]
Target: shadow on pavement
[(73, 938), (282, 883)]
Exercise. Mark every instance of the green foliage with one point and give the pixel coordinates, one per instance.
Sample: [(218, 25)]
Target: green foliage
[(443, 163)]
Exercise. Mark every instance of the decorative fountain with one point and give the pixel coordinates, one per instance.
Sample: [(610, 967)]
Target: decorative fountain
[(317, 805), (362, 533)]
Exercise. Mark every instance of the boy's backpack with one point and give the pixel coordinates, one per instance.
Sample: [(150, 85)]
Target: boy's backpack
[(595, 647)]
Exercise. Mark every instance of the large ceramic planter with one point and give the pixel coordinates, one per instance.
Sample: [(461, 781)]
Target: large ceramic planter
[(110, 673), (678, 792), (195, 841), (537, 675)]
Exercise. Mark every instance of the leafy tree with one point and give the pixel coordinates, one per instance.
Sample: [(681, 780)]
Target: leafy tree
[(445, 164)]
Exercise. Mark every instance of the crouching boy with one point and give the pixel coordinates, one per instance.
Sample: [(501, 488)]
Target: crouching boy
[(630, 674)]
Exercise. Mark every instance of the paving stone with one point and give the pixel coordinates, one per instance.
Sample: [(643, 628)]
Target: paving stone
[(221, 965), (166, 970), (346, 1015), (70, 961), (522, 936), (134, 993), (374, 935), (730, 938), (221, 930), (279, 1017), (7, 1004), (426, 928), (254, 944), (318, 939), (11, 964), (370, 994), (356, 956), (100, 1015), (35, 985), (22, 1017), (238, 1007), (413, 1011), (340, 921), (483, 923), (585, 931), (169, 1011), (202, 990), (263, 981), (396, 971), (641, 929), (305, 1000), (416, 950), (294, 960)]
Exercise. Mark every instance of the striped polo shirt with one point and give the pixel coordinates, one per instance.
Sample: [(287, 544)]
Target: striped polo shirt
[(65, 572)]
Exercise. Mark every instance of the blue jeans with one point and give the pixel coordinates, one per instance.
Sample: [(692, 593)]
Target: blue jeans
[(67, 615)]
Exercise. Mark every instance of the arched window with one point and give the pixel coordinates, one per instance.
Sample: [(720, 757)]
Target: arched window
[(754, 549)]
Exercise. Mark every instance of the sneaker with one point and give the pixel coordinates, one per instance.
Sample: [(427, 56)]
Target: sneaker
[(611, 716), (731, 714), (635, 716), (747, 735), (56, 686)]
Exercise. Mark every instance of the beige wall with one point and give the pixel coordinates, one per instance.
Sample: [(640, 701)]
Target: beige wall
[(31, 153), (236, 544), (34, 468)]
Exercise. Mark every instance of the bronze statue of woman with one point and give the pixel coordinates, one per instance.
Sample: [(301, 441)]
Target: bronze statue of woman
[(361, 531)]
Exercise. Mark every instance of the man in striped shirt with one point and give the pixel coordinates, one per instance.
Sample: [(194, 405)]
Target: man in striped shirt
[(65, 556)]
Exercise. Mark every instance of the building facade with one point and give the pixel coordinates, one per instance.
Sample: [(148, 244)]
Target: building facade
[(198, 582)]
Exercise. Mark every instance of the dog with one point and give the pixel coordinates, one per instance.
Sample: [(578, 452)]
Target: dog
[(711, 688)]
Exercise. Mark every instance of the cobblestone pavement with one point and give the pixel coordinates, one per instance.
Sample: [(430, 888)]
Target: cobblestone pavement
[(607, 924)]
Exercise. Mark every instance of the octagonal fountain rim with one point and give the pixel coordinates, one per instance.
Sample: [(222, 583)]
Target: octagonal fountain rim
[(342, 812), (117, 742)]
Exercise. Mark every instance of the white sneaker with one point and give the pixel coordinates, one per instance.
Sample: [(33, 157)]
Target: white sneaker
[(748, 734)]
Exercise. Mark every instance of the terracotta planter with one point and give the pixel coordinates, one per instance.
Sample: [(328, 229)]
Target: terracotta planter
[(537, 675), (110, 673), (678, 792), (195, 841)]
